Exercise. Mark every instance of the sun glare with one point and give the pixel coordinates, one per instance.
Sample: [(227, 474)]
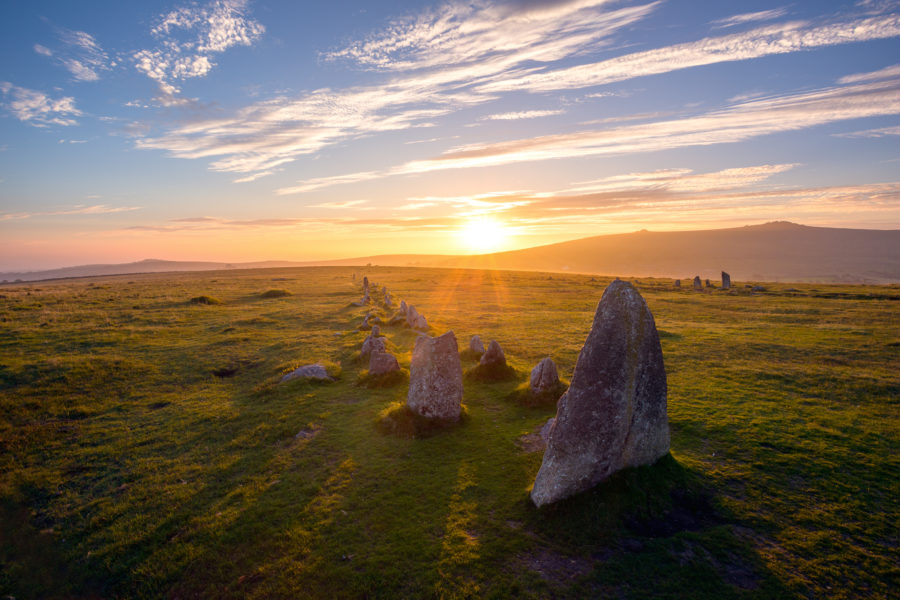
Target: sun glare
[(483, 235)]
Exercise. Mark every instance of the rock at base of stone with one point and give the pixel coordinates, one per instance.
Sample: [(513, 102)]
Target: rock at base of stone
[(308, 371), (493, 356), (614, 414), (544, 377), (382, 362), (547, 428), (435, 378)]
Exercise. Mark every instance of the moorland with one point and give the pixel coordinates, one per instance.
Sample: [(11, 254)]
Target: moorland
[(147, 448)]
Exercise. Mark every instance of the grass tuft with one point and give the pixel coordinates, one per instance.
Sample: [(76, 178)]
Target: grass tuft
[(523, 395), (399, 420), (275, 294), (385, 380), (488, 373)]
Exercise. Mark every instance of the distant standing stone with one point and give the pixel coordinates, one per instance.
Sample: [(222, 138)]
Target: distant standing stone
[(403, 307), (476, 345), (435, 378), (544, 376), (366, 283), (382, 362), (707, 283), (311, 371), (494, 355), (678, 283), (726, 281), (614, 413), (698, 285)]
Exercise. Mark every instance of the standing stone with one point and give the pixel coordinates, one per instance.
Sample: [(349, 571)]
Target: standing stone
[(366, 284), (707, 283), (382, 362), (420, 323), (476, 345), (494, 355), (403, 307), (678, 283), (726, 281), (698, 285), (614, 413), (435, 378), (544, 377), (372, 344)]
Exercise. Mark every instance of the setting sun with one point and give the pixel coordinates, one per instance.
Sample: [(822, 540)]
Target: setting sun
[(483, 235)]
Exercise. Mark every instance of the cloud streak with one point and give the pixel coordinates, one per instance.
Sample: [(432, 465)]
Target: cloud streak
[(96, 209), (736, 123)]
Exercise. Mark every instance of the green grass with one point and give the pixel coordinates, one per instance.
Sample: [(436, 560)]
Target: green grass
[(147, 449)]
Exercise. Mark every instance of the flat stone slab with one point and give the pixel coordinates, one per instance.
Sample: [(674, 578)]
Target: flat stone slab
[(309, 371)]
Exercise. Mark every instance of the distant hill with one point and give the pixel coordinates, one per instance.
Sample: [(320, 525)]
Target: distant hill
[(776, 251)]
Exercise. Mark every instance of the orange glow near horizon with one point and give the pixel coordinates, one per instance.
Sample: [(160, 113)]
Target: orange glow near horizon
[(483, 234)]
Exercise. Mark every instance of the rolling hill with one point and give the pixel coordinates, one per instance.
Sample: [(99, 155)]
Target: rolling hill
[(776, 251)]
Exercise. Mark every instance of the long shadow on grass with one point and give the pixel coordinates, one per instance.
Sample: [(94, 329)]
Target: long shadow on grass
[(650, 532)]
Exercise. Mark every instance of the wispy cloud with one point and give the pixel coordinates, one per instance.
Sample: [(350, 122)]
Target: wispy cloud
[(871, 133), (524, 114), (439, 56), (765, 41), (97, 209), (190, 36), (43, 50), (37, 108), (732, 124), (763, 15), (81, 54)]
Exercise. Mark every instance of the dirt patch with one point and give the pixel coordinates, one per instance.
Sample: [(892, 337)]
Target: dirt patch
[(531, 442)]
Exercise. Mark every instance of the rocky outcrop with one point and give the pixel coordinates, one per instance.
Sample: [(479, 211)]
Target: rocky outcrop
[(614, 413)]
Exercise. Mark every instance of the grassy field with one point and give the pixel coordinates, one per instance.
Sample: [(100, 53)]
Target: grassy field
[(147, 449)]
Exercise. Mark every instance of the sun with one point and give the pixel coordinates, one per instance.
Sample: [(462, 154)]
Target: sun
[(483, 234)]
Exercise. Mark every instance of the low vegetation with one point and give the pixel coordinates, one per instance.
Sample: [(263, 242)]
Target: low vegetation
[(275, 294), (147, 449)]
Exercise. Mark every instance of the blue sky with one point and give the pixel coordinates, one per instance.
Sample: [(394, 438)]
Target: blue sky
[(249, 130)]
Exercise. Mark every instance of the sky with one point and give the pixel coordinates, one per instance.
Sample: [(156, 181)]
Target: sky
[(244, 130)]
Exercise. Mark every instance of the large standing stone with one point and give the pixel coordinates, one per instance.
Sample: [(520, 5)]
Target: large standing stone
[(494, 355), (698, 285), (435, 377), (544, 377), (726, 281), (614, 413), (382, 362), (476, 345)]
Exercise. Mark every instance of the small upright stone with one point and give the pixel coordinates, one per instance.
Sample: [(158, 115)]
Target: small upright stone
[(544, 377), (476, 345), (382, 362), (726, 281), (403, 307), (614, 414), (366, 283), (372, 344), (416, 320), (678, 283), (698, 285), (494, 355), (707, 283), (435, 378)]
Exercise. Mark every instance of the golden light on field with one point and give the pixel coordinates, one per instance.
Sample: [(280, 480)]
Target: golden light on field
[(483, 234)]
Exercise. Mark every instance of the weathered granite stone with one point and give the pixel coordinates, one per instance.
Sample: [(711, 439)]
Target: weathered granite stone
[(372, 344), (311, 371), (544, 377), (493, 355), (698, 285), (376, 331), (476, 345), (547, 428), (403, 307), (435, 377), (382, 362), (726, 281), (411, 314), (614, 413)]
